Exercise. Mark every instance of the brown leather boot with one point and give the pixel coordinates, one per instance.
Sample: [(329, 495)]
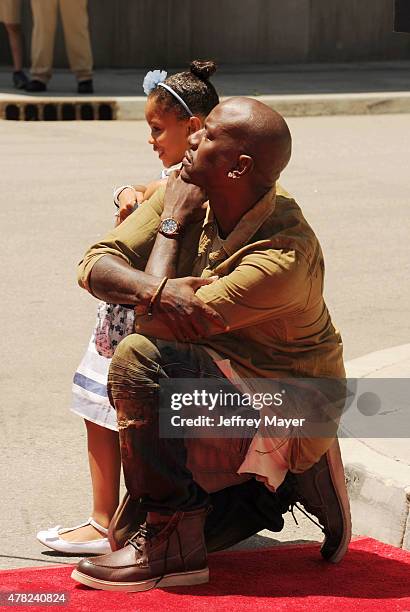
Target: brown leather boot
[(238, 512), (170, 554), (125, 522), (322, 491)]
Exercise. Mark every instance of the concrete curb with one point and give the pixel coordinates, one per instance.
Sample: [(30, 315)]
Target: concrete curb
[(378, 485), (379, 492), (131, 108), (339, 104)]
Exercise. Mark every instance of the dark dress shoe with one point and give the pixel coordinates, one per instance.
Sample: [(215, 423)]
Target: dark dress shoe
[(157, 555), (36, 86), (85, 87), (20, 79), (322, 492)]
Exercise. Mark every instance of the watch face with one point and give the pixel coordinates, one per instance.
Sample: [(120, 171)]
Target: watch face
[(169, 227)]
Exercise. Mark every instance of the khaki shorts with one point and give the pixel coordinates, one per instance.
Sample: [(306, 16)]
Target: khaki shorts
[(10, 11)]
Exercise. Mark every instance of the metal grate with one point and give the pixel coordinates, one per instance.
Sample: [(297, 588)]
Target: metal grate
[(58, 111)]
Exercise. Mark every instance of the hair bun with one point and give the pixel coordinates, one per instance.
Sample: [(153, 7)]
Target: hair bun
[(203, 69)]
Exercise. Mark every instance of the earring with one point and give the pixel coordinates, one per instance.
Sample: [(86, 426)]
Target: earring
[(232, 175)]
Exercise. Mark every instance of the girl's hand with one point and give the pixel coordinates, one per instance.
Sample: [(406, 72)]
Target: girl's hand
[(128, 199)]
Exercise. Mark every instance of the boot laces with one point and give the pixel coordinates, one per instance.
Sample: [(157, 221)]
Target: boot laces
[(303, 511), (144, 534), (290, 497)]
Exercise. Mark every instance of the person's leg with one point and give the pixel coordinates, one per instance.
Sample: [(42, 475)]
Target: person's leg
[(74, 16), (154, 467), (10, 14), (20, 79), (16, 45), (169, 549), (105, 467), (138, 368), (42, 41), (214, 463)]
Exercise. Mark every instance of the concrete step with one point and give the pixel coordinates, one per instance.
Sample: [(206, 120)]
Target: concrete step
[(131, 108)]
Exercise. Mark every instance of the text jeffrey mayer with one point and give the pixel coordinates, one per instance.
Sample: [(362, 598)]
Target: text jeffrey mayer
[(269, 421)]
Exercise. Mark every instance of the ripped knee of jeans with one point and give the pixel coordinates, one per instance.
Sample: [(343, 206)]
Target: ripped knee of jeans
[(134, 413), (125, 422)]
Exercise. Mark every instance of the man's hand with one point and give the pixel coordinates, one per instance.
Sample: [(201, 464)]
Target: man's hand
[(180, 315), (183, 201)]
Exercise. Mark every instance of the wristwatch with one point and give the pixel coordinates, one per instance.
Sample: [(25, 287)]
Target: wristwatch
[(170, 228)]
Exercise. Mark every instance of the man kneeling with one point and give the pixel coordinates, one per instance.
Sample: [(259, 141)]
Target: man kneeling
[(226, 278)]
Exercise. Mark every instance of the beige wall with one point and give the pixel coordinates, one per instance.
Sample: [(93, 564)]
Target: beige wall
[(144, 33)]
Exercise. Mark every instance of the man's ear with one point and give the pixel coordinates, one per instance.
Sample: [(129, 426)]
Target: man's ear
[(245, 164), (194, 125)]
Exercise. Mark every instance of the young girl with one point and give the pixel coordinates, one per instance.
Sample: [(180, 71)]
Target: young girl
[(176, 107)]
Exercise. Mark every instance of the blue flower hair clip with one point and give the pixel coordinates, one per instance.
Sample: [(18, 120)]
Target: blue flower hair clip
[(152, 79)]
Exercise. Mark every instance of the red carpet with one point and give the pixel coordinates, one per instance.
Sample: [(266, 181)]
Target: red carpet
[(373, 576)]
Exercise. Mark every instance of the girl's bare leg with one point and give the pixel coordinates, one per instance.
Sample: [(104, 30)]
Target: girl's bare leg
[(105, 466)]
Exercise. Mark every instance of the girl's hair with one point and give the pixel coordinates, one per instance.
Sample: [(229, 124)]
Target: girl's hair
[(194, 88)]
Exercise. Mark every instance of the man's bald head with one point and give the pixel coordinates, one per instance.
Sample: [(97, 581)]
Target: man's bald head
[(259, 132), (241, 139)]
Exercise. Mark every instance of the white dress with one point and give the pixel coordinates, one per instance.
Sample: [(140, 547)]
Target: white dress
[(90, 399)]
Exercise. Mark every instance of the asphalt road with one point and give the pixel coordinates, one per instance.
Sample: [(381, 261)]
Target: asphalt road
[(349, 174)]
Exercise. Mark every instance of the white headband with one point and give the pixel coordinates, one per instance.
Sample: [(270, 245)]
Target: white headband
[(155, 78), (177, 96)]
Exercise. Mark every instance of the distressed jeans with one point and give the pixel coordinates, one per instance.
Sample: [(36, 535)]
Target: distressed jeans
[(155, 468)]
